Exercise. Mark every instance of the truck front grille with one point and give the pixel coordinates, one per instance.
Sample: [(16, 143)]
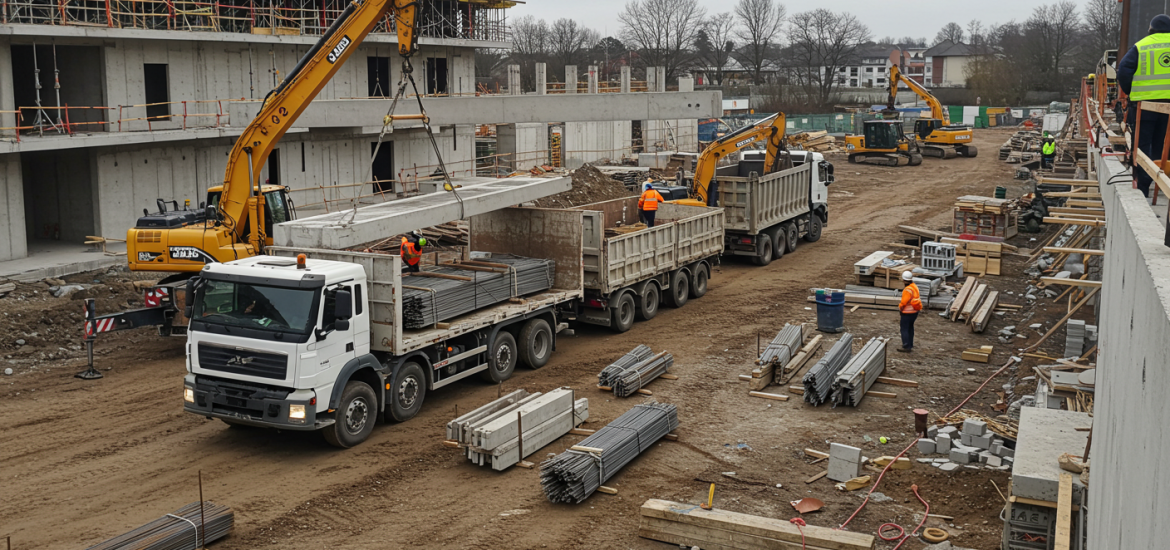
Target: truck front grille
[(243, 361)]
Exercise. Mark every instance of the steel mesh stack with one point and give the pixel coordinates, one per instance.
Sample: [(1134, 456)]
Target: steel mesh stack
[(860, 374), (184, 529), (632, 379), (572, 476), (635, 356), (430, 300), (783, 347), (818, 381)]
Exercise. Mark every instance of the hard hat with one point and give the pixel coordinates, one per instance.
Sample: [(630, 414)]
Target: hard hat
[(422, 241), (648, 185), (907, 276)]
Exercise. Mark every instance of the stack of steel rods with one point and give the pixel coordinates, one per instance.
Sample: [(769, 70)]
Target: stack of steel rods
[(862, 371), (573, 475), (632, 379), (183, 530), (783, 347), (446, 292), (818, 381), (635, 356)]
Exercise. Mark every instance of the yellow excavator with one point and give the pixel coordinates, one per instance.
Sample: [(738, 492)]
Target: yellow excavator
[(883, 142), (770, 130), (238, 217), (939, 138)]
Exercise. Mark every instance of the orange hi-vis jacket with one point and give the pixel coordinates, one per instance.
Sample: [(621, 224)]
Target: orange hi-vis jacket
[(911, 299), (409, 252), (649, 200)]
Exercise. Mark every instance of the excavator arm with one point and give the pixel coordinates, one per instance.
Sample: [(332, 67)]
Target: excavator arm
[(770, 130), (936, 108)]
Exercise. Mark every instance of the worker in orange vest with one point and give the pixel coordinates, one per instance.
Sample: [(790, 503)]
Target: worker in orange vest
[(910, 305), (648, 203), (411, 251)]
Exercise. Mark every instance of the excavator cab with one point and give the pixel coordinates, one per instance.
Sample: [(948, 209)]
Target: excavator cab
[(278, 207), (883, 134), (923, 127)]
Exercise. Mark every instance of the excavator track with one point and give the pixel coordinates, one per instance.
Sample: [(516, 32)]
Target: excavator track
[(938, 151)]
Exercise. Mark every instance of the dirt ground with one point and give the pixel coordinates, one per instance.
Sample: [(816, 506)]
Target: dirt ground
[(86, 460)]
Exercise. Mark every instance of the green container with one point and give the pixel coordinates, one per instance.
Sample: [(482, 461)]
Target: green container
[(1000, 192), (956, 112)]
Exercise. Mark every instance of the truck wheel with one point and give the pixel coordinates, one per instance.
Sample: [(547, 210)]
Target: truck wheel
[(536, 343), (502, 356), (623, 313), (765, 253), (814, 228), (699, 281), (793, 236), (779, 242), (648, 302), (680, 290), (355, 416)]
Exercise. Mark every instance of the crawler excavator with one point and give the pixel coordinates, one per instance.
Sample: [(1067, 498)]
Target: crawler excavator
[(939, 137)]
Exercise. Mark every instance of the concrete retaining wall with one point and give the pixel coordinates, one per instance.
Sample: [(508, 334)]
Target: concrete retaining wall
[(1128, 502)]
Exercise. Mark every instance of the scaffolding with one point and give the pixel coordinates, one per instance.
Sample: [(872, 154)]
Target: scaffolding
[(467, 20)]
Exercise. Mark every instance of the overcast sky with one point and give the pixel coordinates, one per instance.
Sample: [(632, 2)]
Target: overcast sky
[(896, 18)]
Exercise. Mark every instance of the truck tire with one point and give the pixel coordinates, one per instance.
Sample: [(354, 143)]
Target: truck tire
[(536, 343), (699, 277), (622, 314), (814, 228), (679, 291), (407, 391), (355, 416), (648, 302), (765, 253), (502, 357), (792, 235), (779, 242)]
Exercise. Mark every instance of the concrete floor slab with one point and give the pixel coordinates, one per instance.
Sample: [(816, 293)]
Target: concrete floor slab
[(1044, 435), (58, 259)]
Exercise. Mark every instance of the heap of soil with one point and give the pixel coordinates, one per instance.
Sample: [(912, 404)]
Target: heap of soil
[(589, 186)]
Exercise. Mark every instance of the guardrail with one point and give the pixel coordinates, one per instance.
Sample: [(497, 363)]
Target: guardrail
[(72, 119)]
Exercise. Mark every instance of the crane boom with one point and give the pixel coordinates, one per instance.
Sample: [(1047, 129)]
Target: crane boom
[(936, 108), (770, 129)]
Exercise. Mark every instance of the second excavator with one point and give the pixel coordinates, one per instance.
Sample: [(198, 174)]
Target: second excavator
[(940, 138)]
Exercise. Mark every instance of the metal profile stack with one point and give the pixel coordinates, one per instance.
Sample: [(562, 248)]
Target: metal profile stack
[(188, 527), (503, 432), (447, 292), (783, 347), (635, 356), (573, 475), (818, 381), (860, 373), (633, 378)]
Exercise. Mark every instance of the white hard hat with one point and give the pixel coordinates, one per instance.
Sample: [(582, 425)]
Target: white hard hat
[(907, 276)]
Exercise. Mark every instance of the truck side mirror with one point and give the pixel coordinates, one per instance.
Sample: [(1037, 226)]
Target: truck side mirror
[(343, 306), (189, 297)]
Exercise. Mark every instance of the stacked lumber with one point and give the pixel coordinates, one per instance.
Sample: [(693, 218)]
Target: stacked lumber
[(977, 215), (503, 432), (688, 525), (980, 257), (820, 142), (982, 316)]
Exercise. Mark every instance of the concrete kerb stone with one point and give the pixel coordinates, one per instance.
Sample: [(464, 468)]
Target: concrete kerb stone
[(960, 456), (983, 442), (926, 446), (974, 427), (844, 462)]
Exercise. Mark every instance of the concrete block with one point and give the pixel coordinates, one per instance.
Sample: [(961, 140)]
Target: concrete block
[(949, 467), (994, 461), (983, 442), (948, 430), (1007, 460), (844, 462), (1007, 453), (941, 460), (942, 443), (926, 446), (960, 456), (965, 438), (983, 456), (974, 427), (932, 431), (995, 447)]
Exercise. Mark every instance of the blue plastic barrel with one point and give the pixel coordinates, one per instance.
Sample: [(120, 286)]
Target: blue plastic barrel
[(831, 312)]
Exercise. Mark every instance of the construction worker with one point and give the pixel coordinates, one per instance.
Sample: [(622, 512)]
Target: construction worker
[(910, 305), (411, 251), (1048, 149), (648, 203), (1144, 75)]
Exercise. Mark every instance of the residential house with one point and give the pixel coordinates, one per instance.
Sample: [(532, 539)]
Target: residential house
[(946, 64)]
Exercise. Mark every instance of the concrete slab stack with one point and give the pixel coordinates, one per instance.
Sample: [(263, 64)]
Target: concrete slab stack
[(1074, 340), (505, 431)]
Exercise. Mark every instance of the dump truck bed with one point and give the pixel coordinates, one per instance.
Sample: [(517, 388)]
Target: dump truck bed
[(754, 203)]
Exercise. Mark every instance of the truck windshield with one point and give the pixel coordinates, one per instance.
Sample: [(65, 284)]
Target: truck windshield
[(256, 306)]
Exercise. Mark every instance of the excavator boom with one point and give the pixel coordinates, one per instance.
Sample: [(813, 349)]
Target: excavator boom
[(936, 108), (770, 130)]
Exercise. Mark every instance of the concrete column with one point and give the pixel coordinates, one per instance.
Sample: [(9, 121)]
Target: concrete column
[(651, 79), (625, 79), (13, 240), (661, 79), (7, 103), (686, 83), (514, 80), (592, 79), (541, 79), (570, 79)]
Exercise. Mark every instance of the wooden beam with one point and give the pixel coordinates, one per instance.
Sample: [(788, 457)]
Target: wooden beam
[(745, 378), (882, 394), (897, 382), (1074, 221), (1063, 320), (1156, 107), (1036, 502), (1070, 194), (775, 396), (1063, 250), (607, 490), (1072, 282), (712, 528), (1085, 204), (798, 390), (818, 476), (1156, 173), (1065, 181), (815, 453), (1082, 212), (1064, 513)]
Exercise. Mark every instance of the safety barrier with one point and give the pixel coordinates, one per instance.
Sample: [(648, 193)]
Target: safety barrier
[(71, 119)]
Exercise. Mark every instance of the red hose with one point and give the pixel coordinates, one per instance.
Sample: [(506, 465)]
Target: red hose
[(924, 516), (800, 526), (889, 526)]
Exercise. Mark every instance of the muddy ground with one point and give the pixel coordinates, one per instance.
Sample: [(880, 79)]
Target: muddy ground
[(86, 460)]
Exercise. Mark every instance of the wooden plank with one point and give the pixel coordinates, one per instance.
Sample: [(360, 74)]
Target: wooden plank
[(798, 390), (815, 453), (1085, 203), (669, 376), (1040, 178), (451, 443), (1064, 250), (964, 294), (585, 449), (1072, 221), (1036, 502), (1070, 194), (775, 396), (982, 317), (581, 431), (818, 476), (1063, 320), (777, 529), (745, 378), (526, 464), (1088, 211), (1064, 513), (798, 362), (897, 382), (973, 302), (883, 394), (850, 311), (607, 490), (690, 536), (978, 357), (670, 437), (1071, 282)]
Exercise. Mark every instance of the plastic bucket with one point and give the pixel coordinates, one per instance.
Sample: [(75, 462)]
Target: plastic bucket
[(831, 312)]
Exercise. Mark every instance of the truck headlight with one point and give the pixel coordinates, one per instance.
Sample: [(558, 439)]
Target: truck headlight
[(296, 412), (188, 395)]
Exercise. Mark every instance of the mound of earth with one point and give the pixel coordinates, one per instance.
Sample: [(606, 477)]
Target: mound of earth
[(590, 185)]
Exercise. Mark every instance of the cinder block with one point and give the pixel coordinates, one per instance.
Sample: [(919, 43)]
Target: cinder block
[(994, 461), (995, 447), (983, 442), (948, 430), (942, 443), (845, 452), (926, 446), (932, 431), (1007, 453), (974, 427), (1008, 460), (965, 438), (960, 456), (983, 455)]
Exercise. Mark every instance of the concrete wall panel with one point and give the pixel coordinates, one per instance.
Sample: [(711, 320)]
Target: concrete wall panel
[(13, 243)]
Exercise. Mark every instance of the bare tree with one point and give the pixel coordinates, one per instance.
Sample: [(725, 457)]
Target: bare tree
[(1053, 33), (530, 45), (662, 31), (569, 43), (822, 43), (951, 31), (760, 22), (1102, 27), (713, 44)]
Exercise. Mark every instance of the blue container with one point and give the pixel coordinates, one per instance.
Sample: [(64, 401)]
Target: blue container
[(831, 312)]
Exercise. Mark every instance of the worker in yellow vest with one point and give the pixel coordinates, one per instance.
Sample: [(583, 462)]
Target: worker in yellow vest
[(909, 307), (1048, 149), (1144, 75), (411, 252), (648, 203)]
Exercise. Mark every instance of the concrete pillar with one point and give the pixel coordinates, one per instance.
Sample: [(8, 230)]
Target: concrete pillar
[(625, 79), (592, 79), (570, 79), (7, 103), (541, 79), (661, 79), (686, 83), (651, 79), (13, 240), (514, 80)]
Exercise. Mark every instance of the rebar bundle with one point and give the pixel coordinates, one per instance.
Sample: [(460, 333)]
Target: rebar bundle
[(449, 292), (635, 356), (818, 381), (862, 371), (573, 475), (783, 347), (185, 529), (631, 380)]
